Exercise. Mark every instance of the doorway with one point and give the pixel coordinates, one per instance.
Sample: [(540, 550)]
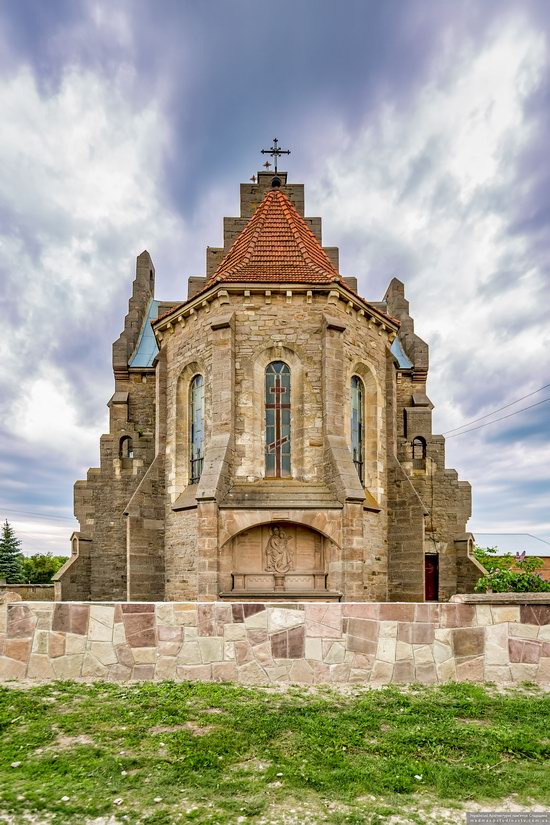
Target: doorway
[(431, 577)]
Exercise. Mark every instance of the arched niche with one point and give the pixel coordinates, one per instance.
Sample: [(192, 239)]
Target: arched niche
[(278, 557), (182, 423), (254, 463), (373, 426)]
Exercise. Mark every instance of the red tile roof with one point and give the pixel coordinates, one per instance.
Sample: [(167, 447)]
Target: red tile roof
[(276, 245)]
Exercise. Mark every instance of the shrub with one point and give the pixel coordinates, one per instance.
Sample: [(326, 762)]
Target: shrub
[(509, 573)]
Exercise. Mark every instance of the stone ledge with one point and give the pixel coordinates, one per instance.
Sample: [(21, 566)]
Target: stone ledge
[(501, 598)]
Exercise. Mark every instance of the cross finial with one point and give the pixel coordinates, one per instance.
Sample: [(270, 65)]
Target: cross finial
[(275, 152)]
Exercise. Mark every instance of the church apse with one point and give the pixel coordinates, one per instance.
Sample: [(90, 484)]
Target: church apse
[(262, 433)]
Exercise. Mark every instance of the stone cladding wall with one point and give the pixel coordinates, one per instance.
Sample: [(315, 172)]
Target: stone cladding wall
[(262, 643)]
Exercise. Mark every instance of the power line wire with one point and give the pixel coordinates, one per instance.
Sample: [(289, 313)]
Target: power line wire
[(511, 404), (480, 426), (38, 515)]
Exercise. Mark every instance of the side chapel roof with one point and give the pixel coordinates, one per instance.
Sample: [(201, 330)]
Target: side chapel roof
[(276, 245)]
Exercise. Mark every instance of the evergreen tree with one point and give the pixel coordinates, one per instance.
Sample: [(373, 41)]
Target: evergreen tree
[(11, 558)]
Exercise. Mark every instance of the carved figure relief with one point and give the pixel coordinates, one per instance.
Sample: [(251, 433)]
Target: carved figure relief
[(279, 555)]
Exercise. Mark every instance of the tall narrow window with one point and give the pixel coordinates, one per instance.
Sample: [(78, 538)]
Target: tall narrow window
[(419, 453), (196, 428), (126, 449), (277, 420), (357, 426)]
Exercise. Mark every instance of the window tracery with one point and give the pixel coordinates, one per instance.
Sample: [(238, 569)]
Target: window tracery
[(196, 428), (277, 420)]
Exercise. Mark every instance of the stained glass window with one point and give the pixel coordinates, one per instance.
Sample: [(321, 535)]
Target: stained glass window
[(277, 420), (196, 429), (357, 425)]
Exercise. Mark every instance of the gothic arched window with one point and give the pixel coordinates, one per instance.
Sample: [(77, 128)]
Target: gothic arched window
[(358, 425), (126, 447), (419, 453), (196, 428), (277, 420)]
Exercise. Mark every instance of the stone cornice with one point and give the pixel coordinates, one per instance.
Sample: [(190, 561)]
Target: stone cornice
[(220, 292)]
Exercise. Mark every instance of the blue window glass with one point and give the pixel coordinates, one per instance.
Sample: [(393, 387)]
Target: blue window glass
[(357, 426), (277, 420), (196, 434)]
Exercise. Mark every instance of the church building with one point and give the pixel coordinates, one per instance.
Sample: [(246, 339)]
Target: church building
[(270, 435)]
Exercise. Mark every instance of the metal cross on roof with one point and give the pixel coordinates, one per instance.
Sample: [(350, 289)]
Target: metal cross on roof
[(275, 152)]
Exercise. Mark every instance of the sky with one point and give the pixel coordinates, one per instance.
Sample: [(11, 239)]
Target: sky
[(420, 130)]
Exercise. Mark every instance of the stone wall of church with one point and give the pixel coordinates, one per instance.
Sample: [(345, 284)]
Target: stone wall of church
[(289, 325)]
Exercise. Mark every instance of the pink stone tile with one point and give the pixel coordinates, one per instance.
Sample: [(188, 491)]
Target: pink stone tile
[(194, 673), (223, 613), (525, 652), (415, 634), (425, 673), (315, 612), (356, 645), (340, 673), (296, 642), (143, 672), (537, 614), (457, 615), (237, 612), (252, 608), (471, 670), (362, 629), (426, 613), (368, 610), (19, 649), (397, 612), (21, 621), (256, 637), (321, 672), (170, 633), (545, 649), (137, 607), (79, 617), (243, 652), (324, 631), (56, 646), (403, 672), (224, 672), (140, 629)]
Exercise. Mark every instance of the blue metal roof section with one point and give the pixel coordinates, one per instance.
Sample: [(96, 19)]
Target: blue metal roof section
[(146, 350), (403, 360)]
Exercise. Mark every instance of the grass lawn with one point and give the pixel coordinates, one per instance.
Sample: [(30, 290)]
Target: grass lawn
[(165, 752)]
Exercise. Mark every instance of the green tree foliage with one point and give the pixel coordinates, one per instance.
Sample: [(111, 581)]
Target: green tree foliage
[(509, 573), (11, 557), (39, 569)]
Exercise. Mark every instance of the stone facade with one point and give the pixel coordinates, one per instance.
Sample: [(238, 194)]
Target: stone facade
[(267, 643), (149, 532)]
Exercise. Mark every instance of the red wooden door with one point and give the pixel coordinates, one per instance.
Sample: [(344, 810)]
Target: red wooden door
[(431, 577)]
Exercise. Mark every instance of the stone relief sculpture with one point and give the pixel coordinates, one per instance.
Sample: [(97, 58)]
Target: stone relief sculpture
[(279, 556)]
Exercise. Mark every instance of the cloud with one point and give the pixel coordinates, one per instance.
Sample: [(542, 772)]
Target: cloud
[(79, 190), (427, 191)]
